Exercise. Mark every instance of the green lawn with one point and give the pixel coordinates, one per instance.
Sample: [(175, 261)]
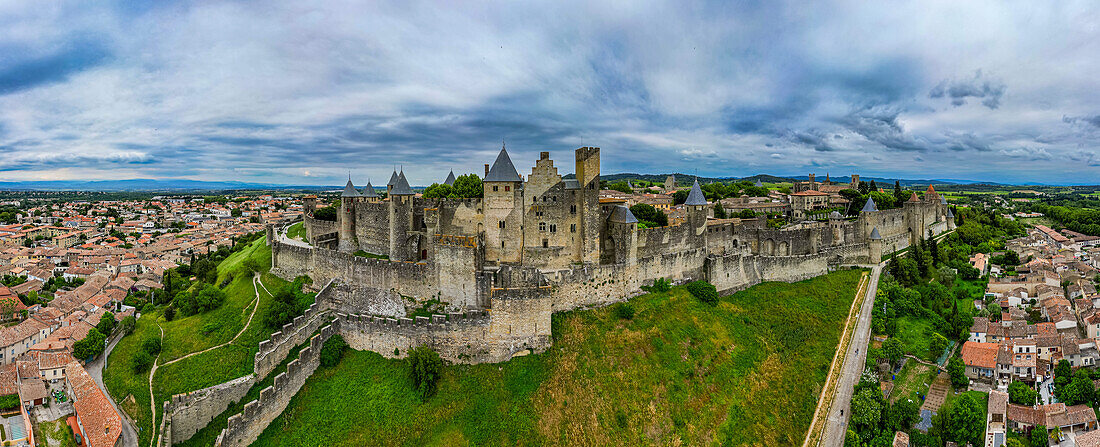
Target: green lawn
[(913, 334), (747, 371), (121, 380), (913, 378), (297, 231)]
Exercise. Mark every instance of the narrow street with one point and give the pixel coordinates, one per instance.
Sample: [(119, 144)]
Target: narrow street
[(95, 369), (837, 426)]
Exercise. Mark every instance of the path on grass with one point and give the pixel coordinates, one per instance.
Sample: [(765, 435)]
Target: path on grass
[(95, 369), (281, 234), (837, 425), (255, 304)]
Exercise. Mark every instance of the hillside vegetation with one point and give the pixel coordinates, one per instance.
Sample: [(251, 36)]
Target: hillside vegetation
[(746, 371)]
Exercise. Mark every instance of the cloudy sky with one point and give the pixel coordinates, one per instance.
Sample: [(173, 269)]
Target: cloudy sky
[(302, 92)]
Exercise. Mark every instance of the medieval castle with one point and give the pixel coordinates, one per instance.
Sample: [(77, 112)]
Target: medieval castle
[(545, 243), (502, 264)]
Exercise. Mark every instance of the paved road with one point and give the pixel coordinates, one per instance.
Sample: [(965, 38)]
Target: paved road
[(837, 425), (281, 234), (95, 369)]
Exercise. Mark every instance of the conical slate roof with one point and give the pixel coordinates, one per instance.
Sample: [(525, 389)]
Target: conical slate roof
[(622, 214), (450, 179), (869, 206), (759, 184), (369, 191), (349, 190), (401, 188), (503, 170), (950, 214), (696, 197), (874, 234), (943, 200), (393, 179)]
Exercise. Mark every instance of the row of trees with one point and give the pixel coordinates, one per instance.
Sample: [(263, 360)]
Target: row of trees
[(465, 187)]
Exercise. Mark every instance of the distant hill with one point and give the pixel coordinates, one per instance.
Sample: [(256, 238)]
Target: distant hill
[(146, 185)]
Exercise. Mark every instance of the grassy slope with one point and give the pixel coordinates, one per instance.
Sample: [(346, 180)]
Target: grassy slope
[(184, 335), (297, 231), (745, 372)]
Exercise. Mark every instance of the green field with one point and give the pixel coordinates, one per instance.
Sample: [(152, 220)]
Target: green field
[(913, 333), (297, 231), (747, 371), (186, 335)]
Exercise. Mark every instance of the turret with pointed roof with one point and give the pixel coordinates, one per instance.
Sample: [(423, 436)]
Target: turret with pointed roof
[(913, 198), (401, 188), (369, 191), (503, 170), (392, 182), (349, 190), (450, 179), (869, 206), (696, 197)]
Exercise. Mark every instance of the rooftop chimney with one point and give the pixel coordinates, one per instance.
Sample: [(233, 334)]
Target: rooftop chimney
[(544, 155), (486, 170)]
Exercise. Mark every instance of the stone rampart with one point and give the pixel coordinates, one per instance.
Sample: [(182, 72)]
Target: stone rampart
[(185, 414), (273, 350), (520, 320), (243, 428), (317, 227)]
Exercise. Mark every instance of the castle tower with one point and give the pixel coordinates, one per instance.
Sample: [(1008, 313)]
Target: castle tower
[(836, 222), (868, 217), (503, 207), (670, 183), (346, 218), (813, 183), (369, 194), (401, 213), (309, 204), (696, 204), (855, 182), (950, 219), (588, 176), (624, 234), (875, 246), (914, 220)]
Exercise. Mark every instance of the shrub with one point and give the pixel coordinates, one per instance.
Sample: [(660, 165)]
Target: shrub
[(210, 327), (151, 346), (127, 325), (660, 285), (196, 302), (704, 291), (425, 367), (141, 361), (169, 313), (9, 401), (333, 350), (148, 308), (106, 323), (624, 311)]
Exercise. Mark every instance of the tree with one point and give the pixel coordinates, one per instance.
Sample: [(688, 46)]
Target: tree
[(621, 187), (892, 350), (1063, 373), (196, 302), (1013, 442), (903, 415), (438, 191), (467, 186), (957, 370), (169, 313), (719, 212), (1056, 435), (1039, 436), (333, 350), (91, 346), (106, 323), (747, 214), (127, 325), (326, 213), (151, 345), (649, 215), (936, 346), (141, 361), (679, 197), (1020, 393), (425, 367), (866, 409), (966, 423)]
